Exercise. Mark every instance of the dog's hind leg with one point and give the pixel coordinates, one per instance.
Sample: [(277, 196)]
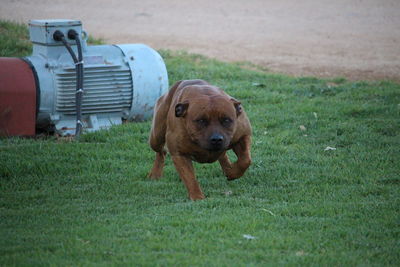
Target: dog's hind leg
[(158, 166), (158, 131), (157, 142), (157, 138)]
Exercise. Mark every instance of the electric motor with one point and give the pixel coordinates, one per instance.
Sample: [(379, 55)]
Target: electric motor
[(121, 82)]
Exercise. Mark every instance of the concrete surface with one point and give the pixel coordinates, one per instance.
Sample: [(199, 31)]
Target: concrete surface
[(357, 39)]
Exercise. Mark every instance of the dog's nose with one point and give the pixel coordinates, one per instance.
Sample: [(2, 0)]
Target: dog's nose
[(216, 140)]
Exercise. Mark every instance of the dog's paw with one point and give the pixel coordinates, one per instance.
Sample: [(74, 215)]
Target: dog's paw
[(154, 175), (233, 173), (195, 197), (233, 177)]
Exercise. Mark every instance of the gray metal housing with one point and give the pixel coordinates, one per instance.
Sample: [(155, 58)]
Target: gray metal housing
[(121, 82)]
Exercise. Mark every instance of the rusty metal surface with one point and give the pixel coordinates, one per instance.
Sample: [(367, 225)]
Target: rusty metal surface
[(17, 98)]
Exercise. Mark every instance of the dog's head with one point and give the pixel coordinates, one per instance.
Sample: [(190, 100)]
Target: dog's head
[(210, 120)]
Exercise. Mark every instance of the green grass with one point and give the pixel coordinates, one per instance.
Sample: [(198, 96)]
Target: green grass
[(89, 203), (14, 39)]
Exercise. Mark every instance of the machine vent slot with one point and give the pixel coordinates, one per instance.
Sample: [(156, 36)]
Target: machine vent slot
[(106, 89)]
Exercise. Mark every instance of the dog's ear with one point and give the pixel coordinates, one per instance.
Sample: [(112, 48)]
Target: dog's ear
[(238, 106), (181, 108)]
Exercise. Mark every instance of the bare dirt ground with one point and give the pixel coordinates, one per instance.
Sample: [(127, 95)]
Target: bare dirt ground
[(356, 39)]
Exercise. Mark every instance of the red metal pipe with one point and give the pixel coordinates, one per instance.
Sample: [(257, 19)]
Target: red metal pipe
[(17, 98)]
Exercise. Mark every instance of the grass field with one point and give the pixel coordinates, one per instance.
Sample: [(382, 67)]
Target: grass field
[(89, 203)]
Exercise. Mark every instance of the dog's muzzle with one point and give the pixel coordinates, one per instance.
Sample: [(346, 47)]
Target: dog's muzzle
[(216, 142)]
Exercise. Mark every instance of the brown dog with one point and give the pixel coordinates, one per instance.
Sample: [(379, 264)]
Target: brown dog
[(199, 122)]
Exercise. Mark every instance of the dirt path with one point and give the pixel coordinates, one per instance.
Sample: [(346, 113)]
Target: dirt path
[(357, 39)]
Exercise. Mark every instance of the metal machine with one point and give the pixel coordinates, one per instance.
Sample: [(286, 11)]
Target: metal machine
[(100, 86)]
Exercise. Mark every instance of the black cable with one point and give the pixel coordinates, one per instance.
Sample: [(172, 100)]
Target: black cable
[(72, 34)]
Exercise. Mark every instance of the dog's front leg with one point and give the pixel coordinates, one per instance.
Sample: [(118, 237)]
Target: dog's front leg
[(242, 151), (185, 169)]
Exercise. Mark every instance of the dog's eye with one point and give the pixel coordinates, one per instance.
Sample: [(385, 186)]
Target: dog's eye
[(226, 122)]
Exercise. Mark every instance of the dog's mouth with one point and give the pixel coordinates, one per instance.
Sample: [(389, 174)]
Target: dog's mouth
[(215, 149), (211, 146)]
